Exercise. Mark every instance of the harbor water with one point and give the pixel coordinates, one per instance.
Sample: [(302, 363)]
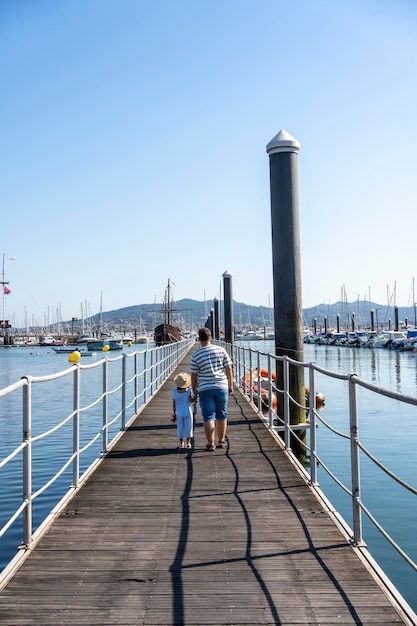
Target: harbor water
[(386, 427)]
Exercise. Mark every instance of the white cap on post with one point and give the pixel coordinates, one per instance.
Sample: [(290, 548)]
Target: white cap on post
[(283, 142)]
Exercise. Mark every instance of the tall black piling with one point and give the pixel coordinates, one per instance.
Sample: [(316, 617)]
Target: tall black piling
[(216, 319), (228, 307), (286, 264)]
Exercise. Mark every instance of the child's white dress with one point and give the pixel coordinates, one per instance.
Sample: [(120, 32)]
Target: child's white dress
[(184, 413)]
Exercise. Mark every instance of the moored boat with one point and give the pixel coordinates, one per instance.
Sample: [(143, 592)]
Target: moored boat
[(51, 341), (260, 386), (249, 335), (67, 349), (167, 332)]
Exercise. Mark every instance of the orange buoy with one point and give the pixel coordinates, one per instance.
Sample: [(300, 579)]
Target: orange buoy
[(319, 397), (260, 386)]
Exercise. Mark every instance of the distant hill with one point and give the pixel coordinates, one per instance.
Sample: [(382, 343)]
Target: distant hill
[(193, 314)]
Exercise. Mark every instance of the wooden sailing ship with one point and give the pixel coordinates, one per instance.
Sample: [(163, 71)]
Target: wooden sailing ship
[(167, 332)]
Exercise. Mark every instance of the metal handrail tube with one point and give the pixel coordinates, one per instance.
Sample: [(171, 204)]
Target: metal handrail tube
[(258, 367), (136, 382), (105, 406), (355, 462), (27, 462), (250, 377), (270, 410), (151, 373), (287, 404), (145, 372), (76, 428), (312, 420)]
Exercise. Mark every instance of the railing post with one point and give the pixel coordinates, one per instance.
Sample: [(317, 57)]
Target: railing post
[(136, 383), (145, 376), (124, 357), (151, 369), (76, 427), (270, 412), (250, 376), (355, 465), (312, 418), (242, 358), (258, 361), (287, 433), (105, 405), (27, 463)]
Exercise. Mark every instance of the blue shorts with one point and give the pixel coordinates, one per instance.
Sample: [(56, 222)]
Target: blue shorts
[(213, 403)]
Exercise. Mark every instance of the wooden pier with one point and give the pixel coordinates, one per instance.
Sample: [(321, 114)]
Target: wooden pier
[(163, 536)]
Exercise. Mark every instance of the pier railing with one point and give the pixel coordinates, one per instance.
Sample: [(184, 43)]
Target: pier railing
[(82, 427), (250, 365)]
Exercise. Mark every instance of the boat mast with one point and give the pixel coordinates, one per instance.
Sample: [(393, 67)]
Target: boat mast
[(168, 306)]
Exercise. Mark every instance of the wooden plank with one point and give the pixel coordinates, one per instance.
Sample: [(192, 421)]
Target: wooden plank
[(163, 536)]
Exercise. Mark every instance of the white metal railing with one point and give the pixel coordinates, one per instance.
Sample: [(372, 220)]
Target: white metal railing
[(247, 364), (100, 420)]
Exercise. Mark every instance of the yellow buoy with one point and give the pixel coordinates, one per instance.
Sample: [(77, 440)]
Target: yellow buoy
[(74, 357), (129, 344), (105, 348)]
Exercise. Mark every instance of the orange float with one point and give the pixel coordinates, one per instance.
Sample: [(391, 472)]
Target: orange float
[(261, 380), (319, 397)]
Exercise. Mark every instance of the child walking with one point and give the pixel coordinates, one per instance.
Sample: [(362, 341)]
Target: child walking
[(182, 410)]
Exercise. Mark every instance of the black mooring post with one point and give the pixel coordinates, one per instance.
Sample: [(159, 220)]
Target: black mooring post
[(396, 319), (211, 322), (216, 319), (228, 307), (286, 264)]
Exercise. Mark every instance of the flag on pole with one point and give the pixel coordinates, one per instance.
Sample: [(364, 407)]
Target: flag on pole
[(11, 258), (6, 290)]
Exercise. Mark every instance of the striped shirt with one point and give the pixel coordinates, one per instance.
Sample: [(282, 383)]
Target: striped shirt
[(208, 362)]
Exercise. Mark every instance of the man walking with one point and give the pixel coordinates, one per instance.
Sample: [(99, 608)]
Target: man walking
[(211, 379)]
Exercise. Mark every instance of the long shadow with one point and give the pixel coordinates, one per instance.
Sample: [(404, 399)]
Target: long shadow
[(248, 556), (311, 547), (178, 611)]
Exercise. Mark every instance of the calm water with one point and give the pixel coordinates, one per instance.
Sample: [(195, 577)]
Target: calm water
[(386, 427)]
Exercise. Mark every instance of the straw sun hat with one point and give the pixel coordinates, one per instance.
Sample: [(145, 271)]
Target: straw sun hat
[(182, 380)]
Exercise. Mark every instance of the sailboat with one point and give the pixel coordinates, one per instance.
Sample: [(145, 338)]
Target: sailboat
[(4, 324), (166, 332)]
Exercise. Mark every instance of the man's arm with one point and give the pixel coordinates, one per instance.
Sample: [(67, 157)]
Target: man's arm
[(194, 378), (229, 374)]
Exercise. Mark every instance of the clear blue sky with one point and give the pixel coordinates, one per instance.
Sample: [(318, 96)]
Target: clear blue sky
[(132, 148)]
